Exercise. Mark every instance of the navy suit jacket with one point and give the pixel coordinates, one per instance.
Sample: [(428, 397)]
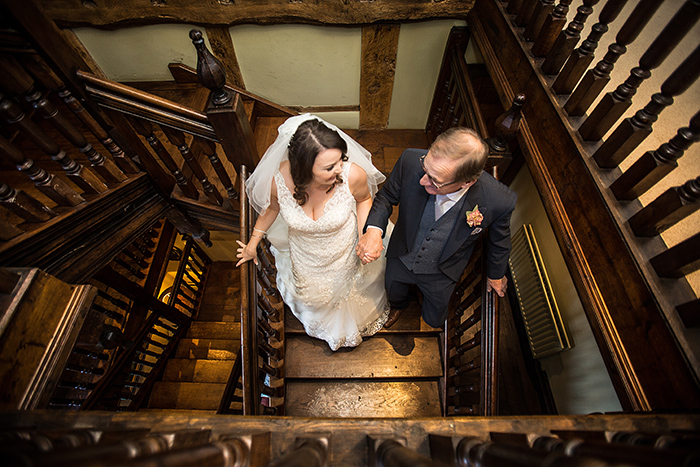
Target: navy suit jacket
[(496, 203)]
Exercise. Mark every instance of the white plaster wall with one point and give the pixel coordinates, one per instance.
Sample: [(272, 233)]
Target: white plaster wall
[(420, 50), (140, 53), (300, 64), (578, 377)]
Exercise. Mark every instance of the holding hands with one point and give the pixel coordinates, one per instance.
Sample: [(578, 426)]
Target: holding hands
[(370, 246)]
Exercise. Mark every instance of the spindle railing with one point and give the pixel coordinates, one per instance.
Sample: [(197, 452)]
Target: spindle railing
[(471, 344), (592, 185), (129, 334), (257, 382)]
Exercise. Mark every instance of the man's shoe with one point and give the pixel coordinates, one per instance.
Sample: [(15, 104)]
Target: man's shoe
[(394, 314)]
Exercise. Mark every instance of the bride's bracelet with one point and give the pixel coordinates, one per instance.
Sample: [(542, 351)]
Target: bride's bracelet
[(261, 231)]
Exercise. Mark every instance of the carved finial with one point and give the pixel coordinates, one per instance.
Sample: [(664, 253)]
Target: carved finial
[(507, 125), (210, 70)]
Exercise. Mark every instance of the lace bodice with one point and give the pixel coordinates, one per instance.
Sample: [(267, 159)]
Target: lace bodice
[(322, 251)]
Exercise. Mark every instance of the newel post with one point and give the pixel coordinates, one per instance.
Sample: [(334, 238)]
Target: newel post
[(225, 108), (506, 128)]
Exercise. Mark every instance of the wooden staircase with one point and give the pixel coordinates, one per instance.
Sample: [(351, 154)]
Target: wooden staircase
[(395, 373), (196, 377)]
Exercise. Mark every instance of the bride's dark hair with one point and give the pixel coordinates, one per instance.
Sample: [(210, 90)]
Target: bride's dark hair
[(308, 141)]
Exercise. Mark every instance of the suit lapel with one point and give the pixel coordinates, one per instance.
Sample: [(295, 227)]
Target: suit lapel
[(417, 200), (461, 232)]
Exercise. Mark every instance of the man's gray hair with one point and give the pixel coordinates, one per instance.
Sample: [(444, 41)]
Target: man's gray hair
[(465, 144)]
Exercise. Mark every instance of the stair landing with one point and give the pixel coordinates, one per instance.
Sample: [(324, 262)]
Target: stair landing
[(394, 373)]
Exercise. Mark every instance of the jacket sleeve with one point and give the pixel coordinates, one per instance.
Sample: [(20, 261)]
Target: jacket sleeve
[(499, 242), (386, 198)]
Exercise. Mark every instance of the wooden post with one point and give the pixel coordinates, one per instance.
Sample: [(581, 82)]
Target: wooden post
[(225, 109)]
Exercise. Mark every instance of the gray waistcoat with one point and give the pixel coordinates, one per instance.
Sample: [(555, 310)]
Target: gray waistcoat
[(430, 239)]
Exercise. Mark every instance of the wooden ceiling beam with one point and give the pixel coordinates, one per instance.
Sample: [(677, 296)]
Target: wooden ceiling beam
[(112, 15), (222, 48), (379, 48)]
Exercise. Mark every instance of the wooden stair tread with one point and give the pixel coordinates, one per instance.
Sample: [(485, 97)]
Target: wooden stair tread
[(186, 395), (375, 399), (209, 349), (214, 330), (385, 356), (197, 370), (410, 321), (220, 313)]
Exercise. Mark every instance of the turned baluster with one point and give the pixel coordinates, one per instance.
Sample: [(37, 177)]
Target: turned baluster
[(537, 17), (463, 389), (632, 131), (23, 205), (671, 207), (596, 79), (468, 301), (269, 331), (551, 28), (177, 138), (680, 260), (267, 348), (145, 129), (467, 367), (391, 451), (652, 166), (581, 58), (46, 76), (81, 176), (615, 103), (309, 450), (47, 183), (470, 344), (466, 281), (469, 322), (525, 15), (265, 264), (209, 149), (103, 166), (567, 39), (267, 286), (267, 308)]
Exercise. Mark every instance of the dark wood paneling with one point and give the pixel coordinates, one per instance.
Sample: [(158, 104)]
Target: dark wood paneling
[(647, 368)]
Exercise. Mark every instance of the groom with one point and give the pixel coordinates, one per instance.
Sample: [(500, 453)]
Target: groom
[(445, 202)]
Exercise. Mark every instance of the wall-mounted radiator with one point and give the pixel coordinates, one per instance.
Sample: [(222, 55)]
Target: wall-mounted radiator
[(543, 323)]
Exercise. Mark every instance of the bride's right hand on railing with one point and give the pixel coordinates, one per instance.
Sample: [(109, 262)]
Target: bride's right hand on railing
[(247, 252)]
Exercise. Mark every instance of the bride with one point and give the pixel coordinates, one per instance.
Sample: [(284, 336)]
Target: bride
[(321, 181)]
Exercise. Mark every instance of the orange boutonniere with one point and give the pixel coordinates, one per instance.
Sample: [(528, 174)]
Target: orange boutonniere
[(474, 217)]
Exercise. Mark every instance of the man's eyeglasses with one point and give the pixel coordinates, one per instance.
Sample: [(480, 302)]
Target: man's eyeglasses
[(437, 186)]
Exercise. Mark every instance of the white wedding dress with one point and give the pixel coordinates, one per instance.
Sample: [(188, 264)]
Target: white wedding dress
[(321, 279)]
